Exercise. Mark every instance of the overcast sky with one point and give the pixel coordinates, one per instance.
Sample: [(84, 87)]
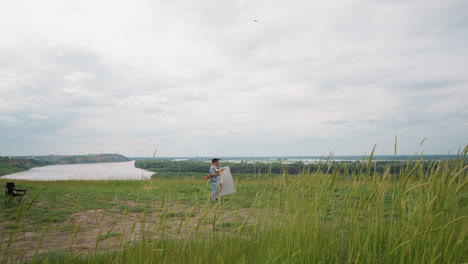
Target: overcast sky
[(202, 78)]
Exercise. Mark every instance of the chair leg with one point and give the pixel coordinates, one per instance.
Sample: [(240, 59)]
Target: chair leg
[(13, 199), (8, 199), (18, 199)]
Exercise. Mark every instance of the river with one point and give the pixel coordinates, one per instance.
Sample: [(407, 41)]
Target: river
[(88, 171)]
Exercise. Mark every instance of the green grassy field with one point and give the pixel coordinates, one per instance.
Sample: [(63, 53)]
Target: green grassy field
[(417, 216)]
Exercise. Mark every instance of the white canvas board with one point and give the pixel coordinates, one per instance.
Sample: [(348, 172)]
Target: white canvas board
[(228, 182)]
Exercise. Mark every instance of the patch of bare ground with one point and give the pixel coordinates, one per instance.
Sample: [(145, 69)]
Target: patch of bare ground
[(91, 230)]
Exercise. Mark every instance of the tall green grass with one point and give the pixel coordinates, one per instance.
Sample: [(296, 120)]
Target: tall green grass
[(348, 216)]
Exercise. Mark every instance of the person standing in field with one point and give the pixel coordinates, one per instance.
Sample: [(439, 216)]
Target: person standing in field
[(214, 177)]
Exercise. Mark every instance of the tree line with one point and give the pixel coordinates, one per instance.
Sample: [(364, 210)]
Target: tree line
[(344, 167)]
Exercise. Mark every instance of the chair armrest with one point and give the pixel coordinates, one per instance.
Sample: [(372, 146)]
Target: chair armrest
[(21, 190)]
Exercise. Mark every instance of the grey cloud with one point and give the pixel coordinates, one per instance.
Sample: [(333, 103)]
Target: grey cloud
[(308, 78), (427, 85)]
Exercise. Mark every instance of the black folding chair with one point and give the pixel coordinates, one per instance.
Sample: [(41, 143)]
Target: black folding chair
[(12, 195)]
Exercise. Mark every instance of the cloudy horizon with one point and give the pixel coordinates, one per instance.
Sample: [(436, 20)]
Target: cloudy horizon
[(203, 78)]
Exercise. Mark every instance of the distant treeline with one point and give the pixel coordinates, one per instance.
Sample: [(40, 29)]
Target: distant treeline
[(10, 165), (74, 159), (286, 158), (344, 167)]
